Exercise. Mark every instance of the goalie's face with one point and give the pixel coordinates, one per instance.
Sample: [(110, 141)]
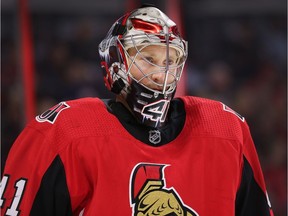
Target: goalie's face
[(155, 67)]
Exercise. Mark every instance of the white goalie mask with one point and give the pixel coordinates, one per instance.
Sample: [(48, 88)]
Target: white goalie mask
[(142, 57)]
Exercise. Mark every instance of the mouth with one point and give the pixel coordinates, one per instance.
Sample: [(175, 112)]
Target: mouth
[(157, 88)]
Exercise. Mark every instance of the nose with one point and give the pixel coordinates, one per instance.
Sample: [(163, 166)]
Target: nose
[(158, 77)]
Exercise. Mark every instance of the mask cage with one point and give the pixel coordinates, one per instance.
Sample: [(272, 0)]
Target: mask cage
[(139, 42)]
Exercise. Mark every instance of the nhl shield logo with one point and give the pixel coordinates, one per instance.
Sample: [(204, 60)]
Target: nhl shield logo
[(154, 136)]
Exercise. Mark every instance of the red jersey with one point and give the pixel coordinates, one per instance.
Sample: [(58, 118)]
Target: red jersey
[(78, 158)]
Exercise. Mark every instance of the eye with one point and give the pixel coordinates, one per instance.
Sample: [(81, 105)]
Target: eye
[(171, 62), (149, 59)]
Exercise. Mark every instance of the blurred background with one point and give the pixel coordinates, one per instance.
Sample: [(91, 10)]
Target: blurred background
[(237, 54)]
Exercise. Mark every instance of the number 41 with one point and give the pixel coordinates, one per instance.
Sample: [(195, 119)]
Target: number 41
[(20, 187)]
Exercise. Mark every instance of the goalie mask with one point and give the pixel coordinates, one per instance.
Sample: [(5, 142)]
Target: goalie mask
[(142, 58)]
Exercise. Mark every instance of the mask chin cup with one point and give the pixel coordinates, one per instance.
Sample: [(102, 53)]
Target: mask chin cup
[(148, 107)]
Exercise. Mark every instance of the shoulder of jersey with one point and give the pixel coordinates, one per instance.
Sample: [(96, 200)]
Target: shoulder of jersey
[(76, 118), (213, 118)]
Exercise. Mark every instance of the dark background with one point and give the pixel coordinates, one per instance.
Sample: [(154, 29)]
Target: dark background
[(237, 54)]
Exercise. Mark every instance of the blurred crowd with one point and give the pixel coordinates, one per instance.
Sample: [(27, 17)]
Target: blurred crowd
[(240, 61)]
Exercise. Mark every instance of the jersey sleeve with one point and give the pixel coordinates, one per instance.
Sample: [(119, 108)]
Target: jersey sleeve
[(252, 197), (34, 181), (46, 170)]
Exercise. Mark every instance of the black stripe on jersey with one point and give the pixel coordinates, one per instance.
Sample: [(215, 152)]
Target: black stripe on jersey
[(250, 199), (53, 198)]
